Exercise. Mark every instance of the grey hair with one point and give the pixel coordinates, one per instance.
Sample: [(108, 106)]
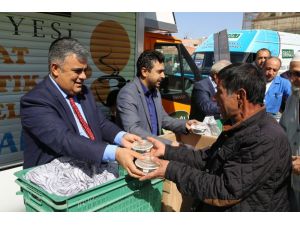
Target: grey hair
[(63, 47), (219, 65)]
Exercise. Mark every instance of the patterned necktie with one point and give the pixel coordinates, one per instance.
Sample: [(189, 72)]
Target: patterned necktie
[(84, 124)]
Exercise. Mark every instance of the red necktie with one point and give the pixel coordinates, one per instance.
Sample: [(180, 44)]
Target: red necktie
[(84, 124)]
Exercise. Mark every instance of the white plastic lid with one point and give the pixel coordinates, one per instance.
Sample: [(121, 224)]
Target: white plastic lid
[(142, 145), (146, 165)]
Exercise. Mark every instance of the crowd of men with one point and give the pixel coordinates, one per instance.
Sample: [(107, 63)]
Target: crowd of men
[(249, 166)]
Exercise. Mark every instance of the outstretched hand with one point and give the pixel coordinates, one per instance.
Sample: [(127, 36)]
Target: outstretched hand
[(158, 148), (189, 123), (125, 158), (128, 139), (159, 172)]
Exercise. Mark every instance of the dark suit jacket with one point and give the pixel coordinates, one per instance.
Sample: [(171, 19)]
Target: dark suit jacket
[(50, 130), (202, 103)]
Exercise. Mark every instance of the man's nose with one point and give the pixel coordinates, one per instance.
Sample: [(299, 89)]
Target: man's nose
[(163, 74), (82, 75)]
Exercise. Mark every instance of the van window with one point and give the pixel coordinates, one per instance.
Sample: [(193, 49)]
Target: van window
[(172, 82), (235, 57), (198, 58)]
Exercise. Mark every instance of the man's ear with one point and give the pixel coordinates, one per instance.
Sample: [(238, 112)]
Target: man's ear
[(241, 94), (144, 72), (54, 69)]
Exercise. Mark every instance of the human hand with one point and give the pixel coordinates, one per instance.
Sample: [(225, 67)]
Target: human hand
[(189, 123), (296, 164), (125, 158), (158, 148), (175, 143), (128, 139), (159, 172)]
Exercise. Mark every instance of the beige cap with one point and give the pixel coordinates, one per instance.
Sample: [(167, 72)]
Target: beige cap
[(296, 57)]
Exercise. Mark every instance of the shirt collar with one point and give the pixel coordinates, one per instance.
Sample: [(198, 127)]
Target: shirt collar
[(62, 91), (213, 83), (148, 92), (56, 85)]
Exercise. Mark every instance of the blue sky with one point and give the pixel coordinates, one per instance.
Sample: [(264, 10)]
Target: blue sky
[(199, 24)]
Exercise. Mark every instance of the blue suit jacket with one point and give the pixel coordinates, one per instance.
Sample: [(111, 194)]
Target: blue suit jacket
[(50, 130), (202, 103)]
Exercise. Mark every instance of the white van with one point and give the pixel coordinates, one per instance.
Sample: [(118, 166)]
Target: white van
[(243, 45)]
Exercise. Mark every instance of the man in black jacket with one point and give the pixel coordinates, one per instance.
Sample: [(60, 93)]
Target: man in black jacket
[(248, 167)]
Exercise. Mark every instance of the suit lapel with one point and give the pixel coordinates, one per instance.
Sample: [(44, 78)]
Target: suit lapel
[(143, 98), (158, 107), (58, 96)]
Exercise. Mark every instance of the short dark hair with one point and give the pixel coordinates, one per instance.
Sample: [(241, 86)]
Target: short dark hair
[(246, 76), (263, 50), (146, 60)]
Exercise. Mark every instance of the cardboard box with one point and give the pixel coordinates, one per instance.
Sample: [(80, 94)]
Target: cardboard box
[(172, 200)]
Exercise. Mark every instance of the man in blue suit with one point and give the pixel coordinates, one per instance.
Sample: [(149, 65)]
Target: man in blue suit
[(202, 101), (60, 117)]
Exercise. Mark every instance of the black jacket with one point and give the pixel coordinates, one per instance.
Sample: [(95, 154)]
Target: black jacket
[(246, 169)]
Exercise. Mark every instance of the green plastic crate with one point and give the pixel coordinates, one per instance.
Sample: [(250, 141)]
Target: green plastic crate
[(124, 194)]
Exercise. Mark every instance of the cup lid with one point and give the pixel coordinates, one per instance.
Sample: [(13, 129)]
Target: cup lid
[(147, 165), (199, 128), (142, 145)]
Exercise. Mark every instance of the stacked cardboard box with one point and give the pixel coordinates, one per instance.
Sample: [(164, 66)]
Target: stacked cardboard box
[(172, 200)]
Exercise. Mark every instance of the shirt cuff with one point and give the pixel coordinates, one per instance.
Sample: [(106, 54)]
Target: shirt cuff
[(119, 137), (109, 153)]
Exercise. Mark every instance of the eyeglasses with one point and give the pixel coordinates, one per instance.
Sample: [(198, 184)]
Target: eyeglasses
[(294, 73)]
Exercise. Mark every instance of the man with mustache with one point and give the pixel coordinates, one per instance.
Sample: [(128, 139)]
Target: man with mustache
[(261, 56), (60, 117), (248, 166), (277, 88), (139, 106)]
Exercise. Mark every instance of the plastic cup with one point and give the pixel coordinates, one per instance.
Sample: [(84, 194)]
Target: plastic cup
[(146, 166), (142, 146)]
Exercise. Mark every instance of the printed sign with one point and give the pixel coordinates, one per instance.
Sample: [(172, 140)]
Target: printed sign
[(234, 36), (287, 53)]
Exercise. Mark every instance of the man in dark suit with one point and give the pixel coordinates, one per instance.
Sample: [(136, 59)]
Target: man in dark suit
[(60, 117), (202, 102)]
